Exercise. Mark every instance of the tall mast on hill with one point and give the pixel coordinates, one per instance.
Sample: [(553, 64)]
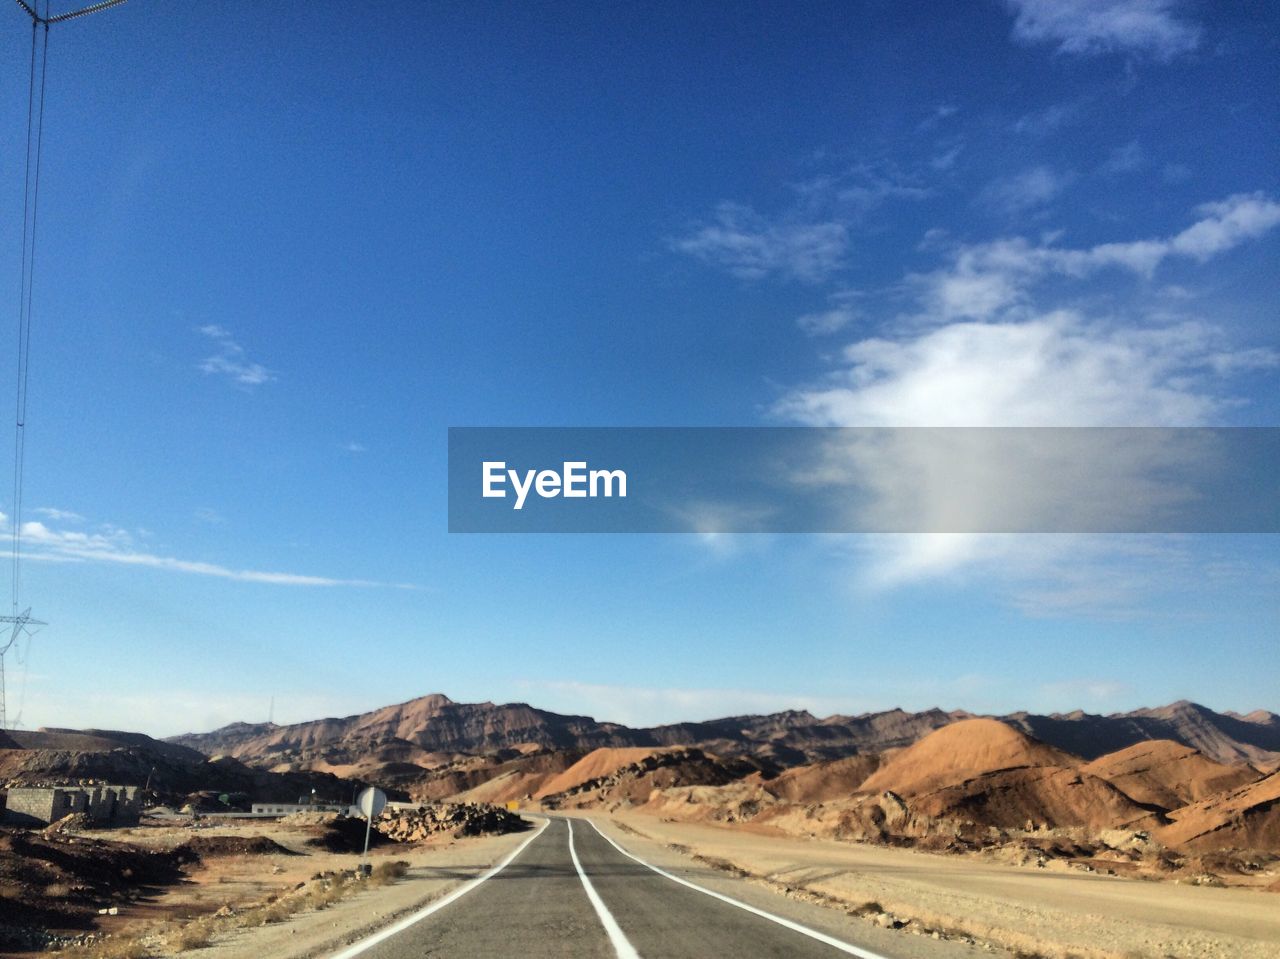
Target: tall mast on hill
[(20, 623)]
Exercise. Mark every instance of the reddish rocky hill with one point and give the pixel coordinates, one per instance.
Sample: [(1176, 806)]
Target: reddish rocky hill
[(1167, 774), (961, 752), (1244, 818)]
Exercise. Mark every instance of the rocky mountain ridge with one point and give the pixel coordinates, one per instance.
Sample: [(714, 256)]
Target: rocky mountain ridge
[(437, 724)]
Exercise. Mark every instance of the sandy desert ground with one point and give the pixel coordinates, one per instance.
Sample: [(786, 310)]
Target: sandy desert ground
[(1038, 911)]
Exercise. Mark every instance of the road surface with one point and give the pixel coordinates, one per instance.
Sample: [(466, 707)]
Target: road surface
[(569, 891)]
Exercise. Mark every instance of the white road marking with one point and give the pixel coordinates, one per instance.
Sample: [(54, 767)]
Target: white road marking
[(405, 923), (787, 923), (621, 945)]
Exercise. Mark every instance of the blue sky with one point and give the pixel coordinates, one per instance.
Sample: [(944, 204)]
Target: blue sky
[(283, 247)]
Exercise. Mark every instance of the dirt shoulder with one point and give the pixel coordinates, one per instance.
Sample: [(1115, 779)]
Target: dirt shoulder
[(246, 889), (434, 871), (1040, 911)]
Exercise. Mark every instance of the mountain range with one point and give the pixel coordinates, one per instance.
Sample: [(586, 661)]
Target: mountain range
[(425, 730)]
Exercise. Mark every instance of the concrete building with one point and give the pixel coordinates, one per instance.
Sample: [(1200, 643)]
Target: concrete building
[(288, 808), (42, 805)]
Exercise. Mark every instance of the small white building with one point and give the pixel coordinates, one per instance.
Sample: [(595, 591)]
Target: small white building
[(289, 808)]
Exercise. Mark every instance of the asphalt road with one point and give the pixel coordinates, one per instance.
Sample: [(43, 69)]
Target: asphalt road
[(570, 892)]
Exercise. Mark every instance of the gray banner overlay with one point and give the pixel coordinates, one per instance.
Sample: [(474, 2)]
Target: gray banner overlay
[(873, 480)]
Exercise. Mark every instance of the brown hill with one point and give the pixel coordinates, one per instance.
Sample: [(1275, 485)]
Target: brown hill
[(822, 782), (1055, 797), (494, 778), (635, 782), (99, 740), (1167, 774), (796, 737), (1244, 818), (595, 765), (959, 752)]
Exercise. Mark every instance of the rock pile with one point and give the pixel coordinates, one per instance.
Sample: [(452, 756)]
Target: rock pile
[(459, 819)]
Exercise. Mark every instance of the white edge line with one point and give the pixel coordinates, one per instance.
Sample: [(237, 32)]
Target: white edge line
[(793, 926), (621, 945), (405, 923)]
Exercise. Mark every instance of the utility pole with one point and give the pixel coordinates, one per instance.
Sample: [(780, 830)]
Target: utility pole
[(20, 623)]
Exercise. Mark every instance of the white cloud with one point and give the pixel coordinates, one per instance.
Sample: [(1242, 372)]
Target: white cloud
[(1050, 119), (1226, 223), (946, 159), (1057, 369), (113, 545), (751, 247), (986, 353), (842, 312), (58, 515), (1087, 27), (941, 112), (985, 278), (230, 360), (863, 187), (809, 240), (1032, 188), (1125, 159), (354, 447)]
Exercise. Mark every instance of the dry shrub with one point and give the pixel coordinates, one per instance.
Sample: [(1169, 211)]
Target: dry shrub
[(195, 934), (278, 911), (112, 948), (385, 873)]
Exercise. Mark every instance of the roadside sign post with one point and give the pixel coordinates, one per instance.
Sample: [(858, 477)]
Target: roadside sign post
[(371, 801)]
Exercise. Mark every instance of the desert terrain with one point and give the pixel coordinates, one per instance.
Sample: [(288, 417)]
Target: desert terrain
[(1024, 835)]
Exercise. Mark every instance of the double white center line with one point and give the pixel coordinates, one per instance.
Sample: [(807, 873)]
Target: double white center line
[(621, 945)]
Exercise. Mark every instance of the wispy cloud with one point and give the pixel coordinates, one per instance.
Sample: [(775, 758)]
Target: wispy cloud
[(113, 545), (842, 312), (230, 360), (354, 447), (1125, 159), (1048, 120), (1087, 27), (751, 247), (58, 515), (983, 279), (1032, 188), (941, 112), (858, 189), (809, 239)]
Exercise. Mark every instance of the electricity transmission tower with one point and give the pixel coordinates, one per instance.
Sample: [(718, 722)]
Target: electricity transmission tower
[(20, 624)]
